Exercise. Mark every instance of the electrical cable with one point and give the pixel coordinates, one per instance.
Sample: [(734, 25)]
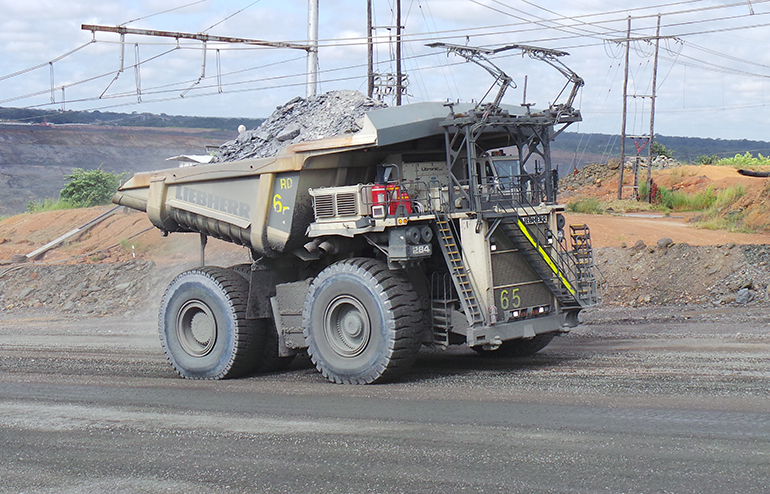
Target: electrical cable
[(83, 81), (438, 55), (164, 12), (433, 38), (54, 60), (230, 16)]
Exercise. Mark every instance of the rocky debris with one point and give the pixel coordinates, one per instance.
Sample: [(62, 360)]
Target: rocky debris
[(126, 288), (682, 274), (664, 162), (592, 174), (639, 276), (665, 243), (325, 115), (639, 246), (595, 174), (743, 296)]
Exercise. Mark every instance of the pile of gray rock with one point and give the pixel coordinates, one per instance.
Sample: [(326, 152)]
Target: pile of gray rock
[(592, 174), (596, 173), (102, 289), (325, 115)]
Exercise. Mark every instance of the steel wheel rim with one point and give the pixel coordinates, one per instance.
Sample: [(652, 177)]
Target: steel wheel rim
[(196, 328), (346, 326)]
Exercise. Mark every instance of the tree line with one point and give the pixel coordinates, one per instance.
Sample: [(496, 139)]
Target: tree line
[(684, 149), (96, 117)]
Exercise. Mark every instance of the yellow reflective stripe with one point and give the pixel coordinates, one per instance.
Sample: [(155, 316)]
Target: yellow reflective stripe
[(546, 257)]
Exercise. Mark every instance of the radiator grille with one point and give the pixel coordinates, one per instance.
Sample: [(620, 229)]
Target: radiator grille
[(346, 204), (324, 206)]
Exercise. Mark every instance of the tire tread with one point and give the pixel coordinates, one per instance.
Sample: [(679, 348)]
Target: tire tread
[(400, 300), (242, 359)]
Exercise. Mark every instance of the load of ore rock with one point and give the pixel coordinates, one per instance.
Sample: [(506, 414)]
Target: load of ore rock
[(325, 115)]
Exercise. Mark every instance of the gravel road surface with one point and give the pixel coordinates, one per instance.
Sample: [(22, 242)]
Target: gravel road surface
[(663, 400)]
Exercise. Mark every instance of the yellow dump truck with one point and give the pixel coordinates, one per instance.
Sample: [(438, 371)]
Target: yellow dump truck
[(433, 225)]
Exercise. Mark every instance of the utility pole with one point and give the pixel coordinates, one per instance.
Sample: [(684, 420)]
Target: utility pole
[(312, 47), (390, 83), (652, 110), (399, 75), (625, 107), (369, 51), (627, 40)]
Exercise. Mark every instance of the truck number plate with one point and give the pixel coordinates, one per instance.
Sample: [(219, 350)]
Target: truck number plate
[(422, 250)]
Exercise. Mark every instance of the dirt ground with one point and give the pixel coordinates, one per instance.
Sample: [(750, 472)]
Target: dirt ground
[(616, 230), (685, 178)]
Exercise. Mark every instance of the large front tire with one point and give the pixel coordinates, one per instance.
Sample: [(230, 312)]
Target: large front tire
[(203, 326), (362, 322)]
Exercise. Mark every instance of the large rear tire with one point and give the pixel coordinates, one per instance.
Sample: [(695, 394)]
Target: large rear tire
[(203, 325), (362, 322), (518, 348)]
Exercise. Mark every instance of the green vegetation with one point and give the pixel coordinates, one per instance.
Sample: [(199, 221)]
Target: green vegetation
[(86, 188), (721, 215), (707, 160), (679, 201), (703, 200), (746, 160), (659, 149), (718, 207), (48, 205), (585, 206)]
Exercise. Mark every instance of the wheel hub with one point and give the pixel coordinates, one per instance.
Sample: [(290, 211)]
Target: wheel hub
[(196, 328), (346, 326)]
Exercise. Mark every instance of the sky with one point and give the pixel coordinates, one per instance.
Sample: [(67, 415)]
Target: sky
[(713, 68)]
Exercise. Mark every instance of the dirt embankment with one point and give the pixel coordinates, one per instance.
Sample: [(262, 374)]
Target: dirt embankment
[(122, 265), (750, 211)]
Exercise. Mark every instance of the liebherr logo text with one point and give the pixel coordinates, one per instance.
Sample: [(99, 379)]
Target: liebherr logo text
[(212, 201), (534, 220)]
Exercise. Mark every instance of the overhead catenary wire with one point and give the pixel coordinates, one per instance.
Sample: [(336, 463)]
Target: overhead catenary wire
[(163, 12), (461, 33), (414, 55), (230, 16), (173, 87), (406, 36), (147, 91), (52, 61)]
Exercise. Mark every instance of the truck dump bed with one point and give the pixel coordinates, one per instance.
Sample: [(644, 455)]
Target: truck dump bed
[(264, 204)]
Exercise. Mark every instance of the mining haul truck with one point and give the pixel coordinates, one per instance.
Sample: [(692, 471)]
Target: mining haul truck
[(433, 225)]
